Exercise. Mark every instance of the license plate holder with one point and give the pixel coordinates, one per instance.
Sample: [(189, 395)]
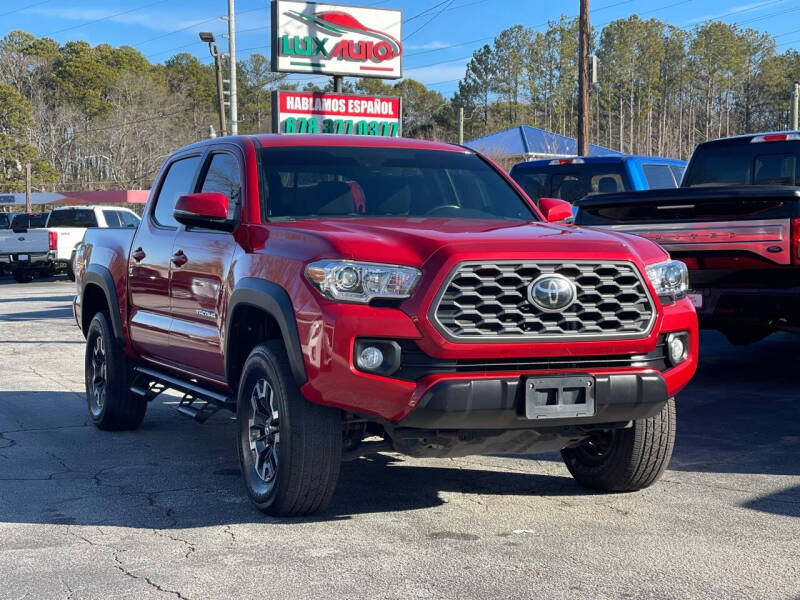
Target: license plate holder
[(559, 397), (23, 257)]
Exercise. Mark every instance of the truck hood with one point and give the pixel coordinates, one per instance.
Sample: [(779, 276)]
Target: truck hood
[(413, 241)]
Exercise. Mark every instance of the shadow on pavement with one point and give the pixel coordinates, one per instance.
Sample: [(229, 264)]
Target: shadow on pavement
[(57, 468), (35, 315)]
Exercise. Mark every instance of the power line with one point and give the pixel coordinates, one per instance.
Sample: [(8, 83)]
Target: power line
[(111, 16), (16, 10)]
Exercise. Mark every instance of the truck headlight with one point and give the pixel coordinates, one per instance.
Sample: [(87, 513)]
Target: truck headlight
[(670, 279), (351, 281)]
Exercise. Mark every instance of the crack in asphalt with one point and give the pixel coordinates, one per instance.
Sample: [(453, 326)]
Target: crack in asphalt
[(119, 565)]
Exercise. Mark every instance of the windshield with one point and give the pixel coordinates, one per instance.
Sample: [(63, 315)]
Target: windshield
[(303, 182), (768, 163), (72, 217), (571, 182)]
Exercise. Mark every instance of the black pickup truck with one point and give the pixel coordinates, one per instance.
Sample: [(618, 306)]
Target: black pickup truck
[(735, 222)]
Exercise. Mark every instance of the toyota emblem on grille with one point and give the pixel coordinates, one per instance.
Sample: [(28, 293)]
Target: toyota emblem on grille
[(551, 293)]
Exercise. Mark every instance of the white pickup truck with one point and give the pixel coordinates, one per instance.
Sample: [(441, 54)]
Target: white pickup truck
[(71, 222), (25, 248), (34, 248)]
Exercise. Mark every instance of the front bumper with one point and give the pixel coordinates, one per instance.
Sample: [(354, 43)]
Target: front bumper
[(500, 403)]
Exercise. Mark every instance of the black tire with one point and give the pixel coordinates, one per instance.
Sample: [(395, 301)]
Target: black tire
[(111, 404), (70, 271), (294, 472), (625, 460), (23, 275)]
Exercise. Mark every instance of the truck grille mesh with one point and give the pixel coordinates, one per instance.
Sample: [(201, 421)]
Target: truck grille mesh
[(491, 300)]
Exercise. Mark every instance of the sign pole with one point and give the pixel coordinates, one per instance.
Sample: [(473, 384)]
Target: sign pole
[(338, 84)]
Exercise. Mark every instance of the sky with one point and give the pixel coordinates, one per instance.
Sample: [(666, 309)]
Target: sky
[(439, 37)]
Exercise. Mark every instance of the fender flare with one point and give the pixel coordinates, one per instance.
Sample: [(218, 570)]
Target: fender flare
[(101, 277), (275, 301)]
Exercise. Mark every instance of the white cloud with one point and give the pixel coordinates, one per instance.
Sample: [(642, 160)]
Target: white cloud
[(733, 11), (436, 73), (87, 15), (434, 45)]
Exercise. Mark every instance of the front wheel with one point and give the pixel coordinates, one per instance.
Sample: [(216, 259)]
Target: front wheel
[(625, 460), (289, 449), (112, 406)]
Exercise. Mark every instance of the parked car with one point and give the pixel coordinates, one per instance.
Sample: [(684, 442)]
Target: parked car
[(332, 288), (71, 222), (25, 250), (573, 178), (735, 222)]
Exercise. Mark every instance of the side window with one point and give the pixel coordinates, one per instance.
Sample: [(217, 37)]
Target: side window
[(658, 176), (128, 219), (177, 182), (223, 176), (112, 218)]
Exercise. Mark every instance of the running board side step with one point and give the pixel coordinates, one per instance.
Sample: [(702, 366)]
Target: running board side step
[(198, 402)]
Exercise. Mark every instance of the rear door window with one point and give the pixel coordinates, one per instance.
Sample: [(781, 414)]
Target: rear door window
[(73, 217), (128, 219), (112, 218), (178, 181), (658, 176)]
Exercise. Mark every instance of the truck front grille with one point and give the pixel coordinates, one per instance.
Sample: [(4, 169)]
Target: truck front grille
[(491, 302)]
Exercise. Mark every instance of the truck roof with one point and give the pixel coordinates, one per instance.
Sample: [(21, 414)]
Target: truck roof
[(601, 160), (746, 137), (89, 207), (283, 140)]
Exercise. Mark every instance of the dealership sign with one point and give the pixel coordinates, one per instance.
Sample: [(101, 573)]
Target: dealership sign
[(332, 39), (304, 112)]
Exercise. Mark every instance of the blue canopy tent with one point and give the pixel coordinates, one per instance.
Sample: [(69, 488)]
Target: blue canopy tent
[(527, 143)]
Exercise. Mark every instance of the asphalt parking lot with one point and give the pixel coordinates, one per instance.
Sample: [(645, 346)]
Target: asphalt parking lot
[(162, 513)]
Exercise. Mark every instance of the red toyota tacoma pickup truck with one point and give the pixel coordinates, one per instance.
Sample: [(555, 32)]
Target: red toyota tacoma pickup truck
[(333, 289)]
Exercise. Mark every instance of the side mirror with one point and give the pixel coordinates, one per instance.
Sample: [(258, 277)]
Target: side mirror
[(208, 210), (555, 209), (20, 224)]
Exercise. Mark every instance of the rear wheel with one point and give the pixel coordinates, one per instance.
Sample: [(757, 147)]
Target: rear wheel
[(625, 460), (289, 449), (112, 406)]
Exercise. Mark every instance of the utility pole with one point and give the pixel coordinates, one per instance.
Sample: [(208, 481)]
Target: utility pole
[(583, 79), (208, 37), (795, 104), (232, 58), (28, 187), (338, 84), (461, 125)]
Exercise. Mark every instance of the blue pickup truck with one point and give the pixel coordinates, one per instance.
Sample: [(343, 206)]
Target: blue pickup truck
[(571, 179)]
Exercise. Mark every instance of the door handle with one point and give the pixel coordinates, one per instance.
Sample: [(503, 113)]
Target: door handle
[(179, 258), (138, 254)]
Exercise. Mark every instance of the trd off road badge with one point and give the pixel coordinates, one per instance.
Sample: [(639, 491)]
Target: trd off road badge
[(336, 40)]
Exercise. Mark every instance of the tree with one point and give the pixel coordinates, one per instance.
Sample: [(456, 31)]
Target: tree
[(15, 122)]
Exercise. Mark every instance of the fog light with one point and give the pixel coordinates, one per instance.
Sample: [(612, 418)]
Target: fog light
[(677, 347), (370, 358)]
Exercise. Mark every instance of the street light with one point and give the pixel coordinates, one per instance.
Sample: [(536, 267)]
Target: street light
[(208, 37)]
